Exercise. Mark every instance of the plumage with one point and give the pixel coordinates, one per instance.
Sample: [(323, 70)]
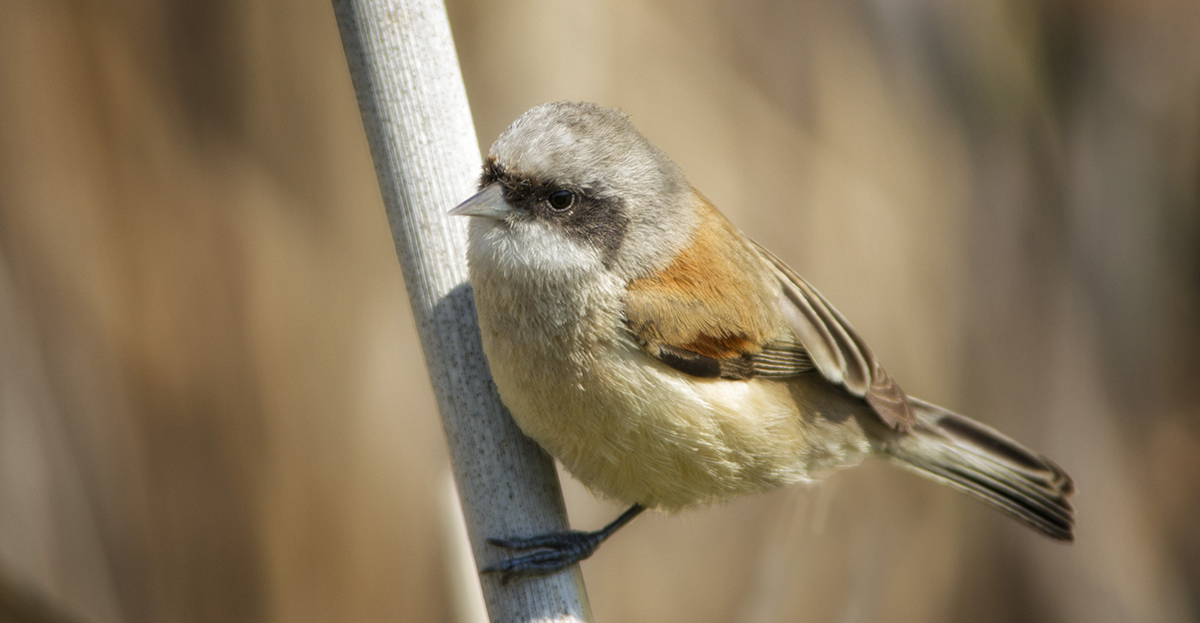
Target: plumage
[(712, 311), (724, 301), (669, 361), (983, 462), (836, 350)]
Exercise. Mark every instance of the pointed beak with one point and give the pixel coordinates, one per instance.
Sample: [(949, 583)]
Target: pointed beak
[(488, 203)]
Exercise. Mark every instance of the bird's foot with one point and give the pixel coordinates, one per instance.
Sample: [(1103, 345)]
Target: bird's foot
[(556, 550)]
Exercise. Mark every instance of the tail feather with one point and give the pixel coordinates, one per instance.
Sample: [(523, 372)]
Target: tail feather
[(971, 457)]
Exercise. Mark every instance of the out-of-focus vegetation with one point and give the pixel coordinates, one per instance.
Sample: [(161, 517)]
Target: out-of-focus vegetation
[(213, 406)]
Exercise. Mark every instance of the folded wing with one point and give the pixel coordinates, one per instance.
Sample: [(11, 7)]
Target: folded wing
[(835, 349)]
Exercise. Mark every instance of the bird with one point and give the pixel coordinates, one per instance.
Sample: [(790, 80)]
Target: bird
[(669, 362)]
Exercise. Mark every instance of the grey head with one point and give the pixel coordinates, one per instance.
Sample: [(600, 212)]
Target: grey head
[(574, 186)]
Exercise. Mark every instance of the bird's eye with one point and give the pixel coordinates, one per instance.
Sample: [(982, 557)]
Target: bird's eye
[(561, 199)]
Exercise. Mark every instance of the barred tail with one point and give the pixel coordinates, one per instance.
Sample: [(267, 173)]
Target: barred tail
[(971, 457)]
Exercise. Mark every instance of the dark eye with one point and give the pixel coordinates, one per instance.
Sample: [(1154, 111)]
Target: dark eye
[(561, 199)]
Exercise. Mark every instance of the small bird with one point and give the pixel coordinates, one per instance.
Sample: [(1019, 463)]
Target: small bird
[(669, 361)]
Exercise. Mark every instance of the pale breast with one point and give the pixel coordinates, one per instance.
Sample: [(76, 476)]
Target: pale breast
[(624, 423), (636, 430)]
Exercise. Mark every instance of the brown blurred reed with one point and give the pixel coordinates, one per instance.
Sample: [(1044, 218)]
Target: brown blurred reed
[(212, 406)]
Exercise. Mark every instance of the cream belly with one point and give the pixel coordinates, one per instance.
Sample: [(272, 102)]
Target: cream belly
[(635, 430), (623, 423)]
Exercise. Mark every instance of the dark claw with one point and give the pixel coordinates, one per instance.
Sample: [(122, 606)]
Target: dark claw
[(551, 540), (556, 550)]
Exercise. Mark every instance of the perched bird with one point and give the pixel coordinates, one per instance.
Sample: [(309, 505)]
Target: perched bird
[(669, 361)]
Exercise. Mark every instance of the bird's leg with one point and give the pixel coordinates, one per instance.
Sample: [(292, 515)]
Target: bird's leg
[(556, 550)]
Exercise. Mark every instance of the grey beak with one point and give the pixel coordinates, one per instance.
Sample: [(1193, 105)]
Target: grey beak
[(488, 203)]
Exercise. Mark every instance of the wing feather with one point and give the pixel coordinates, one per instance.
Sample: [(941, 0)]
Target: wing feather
[(836, 349), (726, 308)]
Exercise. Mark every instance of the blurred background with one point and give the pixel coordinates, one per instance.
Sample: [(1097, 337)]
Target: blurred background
[(213, 406)]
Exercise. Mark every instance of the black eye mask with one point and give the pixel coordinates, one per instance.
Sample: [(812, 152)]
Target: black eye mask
[(598, 221)]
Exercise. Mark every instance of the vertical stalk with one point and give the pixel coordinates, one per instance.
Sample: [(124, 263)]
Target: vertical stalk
[(414, 109)]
